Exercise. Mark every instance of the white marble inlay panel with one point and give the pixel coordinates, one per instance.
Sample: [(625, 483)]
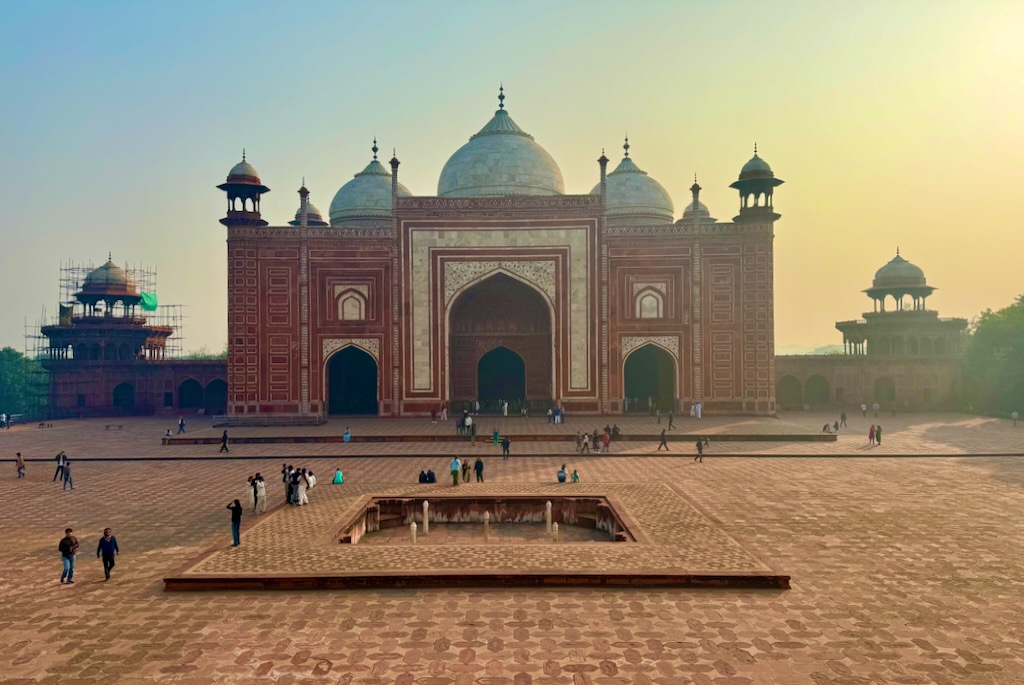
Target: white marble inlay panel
[(458, 274), (423, 313), (370, 345), (669, 342)]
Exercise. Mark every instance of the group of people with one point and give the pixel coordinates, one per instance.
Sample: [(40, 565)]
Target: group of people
[(63, 471), (5, 420), (556, 414), (875, 435), (456, 467), (563, 476), (597, 442), (297, 484), (106, 550), (256, 494)]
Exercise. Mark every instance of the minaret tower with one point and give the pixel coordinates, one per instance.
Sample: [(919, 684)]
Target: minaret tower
[(244, 189), (756, 185)]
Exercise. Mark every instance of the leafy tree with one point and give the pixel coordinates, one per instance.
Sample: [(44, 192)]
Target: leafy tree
[(205, 353), (994, 364), (19, 382)]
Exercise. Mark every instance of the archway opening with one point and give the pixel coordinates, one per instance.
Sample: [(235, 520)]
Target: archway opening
[(500, 312), (816, 391), (190, 394), (650, 379), (885, 390), (789, 394), (124, 397), (217, 396), (501, 376), (352, 382)]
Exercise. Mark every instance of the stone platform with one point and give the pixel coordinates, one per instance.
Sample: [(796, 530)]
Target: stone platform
[(297, 548)]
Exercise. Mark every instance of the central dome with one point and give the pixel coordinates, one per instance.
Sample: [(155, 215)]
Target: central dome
[(502, 159), (898, 272)]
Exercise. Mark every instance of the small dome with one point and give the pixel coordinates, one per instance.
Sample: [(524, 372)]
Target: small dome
[(367, 195), (243, 172), (696, 211), (899, 273), (756, 168), (109, 279), (307, 210), (632, 192), (502, 159)]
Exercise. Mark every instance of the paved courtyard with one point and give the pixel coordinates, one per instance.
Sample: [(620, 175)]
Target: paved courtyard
[(903, 571)]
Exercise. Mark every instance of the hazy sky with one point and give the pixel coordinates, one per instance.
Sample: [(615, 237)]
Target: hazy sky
[(892, 123)]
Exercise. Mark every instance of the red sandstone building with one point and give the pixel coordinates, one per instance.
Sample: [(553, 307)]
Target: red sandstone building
[(501, 287)]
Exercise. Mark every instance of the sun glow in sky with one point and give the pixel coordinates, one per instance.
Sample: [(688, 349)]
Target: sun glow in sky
[(892, 123)]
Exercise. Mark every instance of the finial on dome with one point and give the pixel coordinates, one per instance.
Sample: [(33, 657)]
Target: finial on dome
[(897, 250), (625, 145), (110, 255), (243, 154), (755, 148), (375, 148), (501, 96), (694, 176)]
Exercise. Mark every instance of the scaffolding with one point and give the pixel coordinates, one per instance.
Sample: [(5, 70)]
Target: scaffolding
[(37, 345)]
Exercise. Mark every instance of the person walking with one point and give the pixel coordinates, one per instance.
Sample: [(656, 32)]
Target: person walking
[(224, 442), (20, 463), (657, 413), (878, 435), (1015, 416), (664, 441), (606, 441), (478, 466), (61, 459), (68, 547), (842, 419), (579, 442), (875, 406), (455, 467), (444, 412), (181, 425), (871, 435), (236, 522), (465, 471), (671, 418), (107, 550), (863, 410), (586, 444), (67, 475), (505, 445), (469, 427), (700, 452)]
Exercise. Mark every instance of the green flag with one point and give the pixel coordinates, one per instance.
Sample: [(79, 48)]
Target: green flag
[(149, 302)]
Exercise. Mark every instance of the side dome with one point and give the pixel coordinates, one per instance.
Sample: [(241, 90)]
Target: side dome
[(899, 273), (307, 213), (367, 195), (696, 212), (634, 194), (756, 168), (243, 172), (109, 279), (502, 159)]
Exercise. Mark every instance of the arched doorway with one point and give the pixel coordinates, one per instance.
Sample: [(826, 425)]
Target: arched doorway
[(649, 376), (500, 313), (885, 390), (501, 375), (216, 396), (190, 394), (351, 382), (789, 394), (124, 397), (816, 391)]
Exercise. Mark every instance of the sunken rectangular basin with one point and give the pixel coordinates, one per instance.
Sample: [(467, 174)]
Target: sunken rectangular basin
[(597, 512)]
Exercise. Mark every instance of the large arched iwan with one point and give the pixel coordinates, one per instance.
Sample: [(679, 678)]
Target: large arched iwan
[(649, 376), (352, 382), (500, 311)]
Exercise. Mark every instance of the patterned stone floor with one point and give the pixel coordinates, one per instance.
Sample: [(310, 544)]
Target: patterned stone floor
[(904, 571)]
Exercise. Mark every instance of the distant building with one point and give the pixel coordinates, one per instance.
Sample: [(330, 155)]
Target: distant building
[(501, 287), (902, 357), (104, 359)]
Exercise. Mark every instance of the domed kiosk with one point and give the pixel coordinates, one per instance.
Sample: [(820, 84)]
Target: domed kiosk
[(633, 197), (898, 279), (501, 159)]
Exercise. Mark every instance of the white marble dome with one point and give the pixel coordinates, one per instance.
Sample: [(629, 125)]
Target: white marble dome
[(502, 159), (366, 196), (631, 192)]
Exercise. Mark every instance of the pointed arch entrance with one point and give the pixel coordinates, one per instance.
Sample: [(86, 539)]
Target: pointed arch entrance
[(649, 375), (352, 382), (500, 331), (124, 397)]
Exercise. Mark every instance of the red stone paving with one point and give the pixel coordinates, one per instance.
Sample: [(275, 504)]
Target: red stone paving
[(904, 571)]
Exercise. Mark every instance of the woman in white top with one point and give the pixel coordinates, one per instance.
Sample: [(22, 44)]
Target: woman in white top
[(303, 486), (261, 495), (250, 494)]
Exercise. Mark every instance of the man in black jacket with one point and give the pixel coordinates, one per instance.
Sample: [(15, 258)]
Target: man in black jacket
[(107, 550)]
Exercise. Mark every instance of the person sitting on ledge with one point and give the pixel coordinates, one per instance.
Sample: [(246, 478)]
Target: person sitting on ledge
[(423, 476), (575, 476), (168, 433), (347, 437), (339, 477), (561, 474), (826, 428), (431, 476)]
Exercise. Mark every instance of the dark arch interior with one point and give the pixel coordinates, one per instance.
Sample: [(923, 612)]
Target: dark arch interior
[(788, 393), (501, 375), (124, 396), (816, 391), (190, 394), (885, 390), (217, 396), (650, 377), (352, 383)]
